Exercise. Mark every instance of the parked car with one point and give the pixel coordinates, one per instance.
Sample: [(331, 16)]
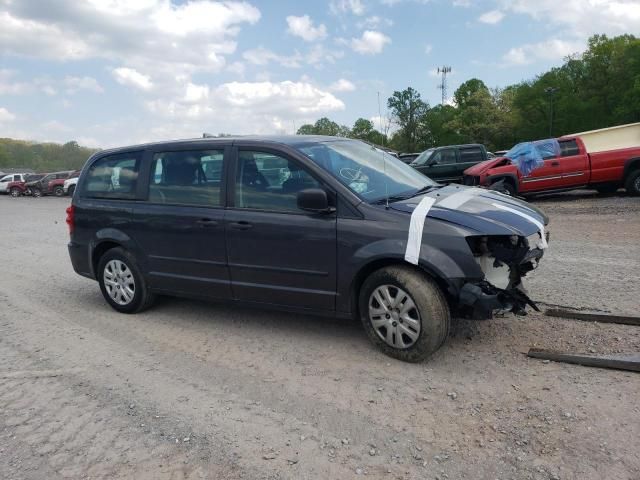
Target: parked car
[(447, 164), (408, 157), (50, 184), (338, 231), (69, 185), (613, 162), (18, 188), (8, 179)]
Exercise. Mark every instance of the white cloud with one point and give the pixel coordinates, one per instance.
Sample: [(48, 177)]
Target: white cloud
[(245, 107), (355, 7), (492, 17), (553, 49), (263, 56), (374, 21), (303, 27), (6, 115), (582, 18), (74, 84), (132, 78), (428, 48), (342, 85), (162, 36), (370, 43)]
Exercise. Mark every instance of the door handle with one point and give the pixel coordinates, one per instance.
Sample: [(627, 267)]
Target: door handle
[(206, 222), (555, 164), (241, 225)]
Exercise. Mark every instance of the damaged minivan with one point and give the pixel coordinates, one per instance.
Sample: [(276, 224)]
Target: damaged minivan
[(307, 224)]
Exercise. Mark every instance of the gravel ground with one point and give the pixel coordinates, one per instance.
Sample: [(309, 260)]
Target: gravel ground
[(196, 390)]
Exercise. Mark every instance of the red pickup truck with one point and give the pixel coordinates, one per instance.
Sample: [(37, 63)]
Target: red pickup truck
[(605, 170)]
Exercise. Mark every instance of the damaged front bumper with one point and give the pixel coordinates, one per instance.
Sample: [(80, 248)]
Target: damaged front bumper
[(504, 261)]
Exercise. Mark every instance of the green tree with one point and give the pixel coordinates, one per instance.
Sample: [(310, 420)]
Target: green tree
[(324, 126), (407, 111)]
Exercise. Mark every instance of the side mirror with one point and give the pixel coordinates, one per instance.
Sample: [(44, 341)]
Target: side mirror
[(314, 200)]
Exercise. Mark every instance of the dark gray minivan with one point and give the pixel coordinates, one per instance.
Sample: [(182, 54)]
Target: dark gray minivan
[(303, 223)]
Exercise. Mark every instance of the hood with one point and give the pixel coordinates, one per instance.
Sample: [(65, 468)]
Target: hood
[(485, 211), (482, 167)]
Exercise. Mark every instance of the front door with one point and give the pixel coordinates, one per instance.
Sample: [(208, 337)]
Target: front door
[(441, 166), (278, 254), (567, 170), (181, 226)]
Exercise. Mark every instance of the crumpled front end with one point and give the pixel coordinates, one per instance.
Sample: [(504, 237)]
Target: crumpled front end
[(504, 260)]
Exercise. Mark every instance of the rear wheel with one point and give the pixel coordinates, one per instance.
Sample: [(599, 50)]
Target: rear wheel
[(404, 313), (632, 185), (15, 192), (71, 190), (58, 191), (122, 283)]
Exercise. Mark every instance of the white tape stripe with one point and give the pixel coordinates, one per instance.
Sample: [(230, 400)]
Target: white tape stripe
[(457, 199), (540, 225), (414, 239)]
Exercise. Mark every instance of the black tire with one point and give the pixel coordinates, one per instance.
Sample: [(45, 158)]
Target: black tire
[(507, 188), (58, 191), (72, 188), (607, 189), (36, 192), (15, 192), (434, 315), (632, 185), (142, 297)]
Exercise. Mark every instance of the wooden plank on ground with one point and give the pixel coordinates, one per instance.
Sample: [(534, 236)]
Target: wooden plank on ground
[(593, 317), (629, 362)]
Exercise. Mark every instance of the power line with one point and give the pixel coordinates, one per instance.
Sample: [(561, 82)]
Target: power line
[(443, 85)]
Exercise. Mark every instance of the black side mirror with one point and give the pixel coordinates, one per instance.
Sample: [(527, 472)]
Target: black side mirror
[(314, 200)]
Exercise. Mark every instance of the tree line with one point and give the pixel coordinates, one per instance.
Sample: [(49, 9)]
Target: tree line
[(597, 89), (42, 157)]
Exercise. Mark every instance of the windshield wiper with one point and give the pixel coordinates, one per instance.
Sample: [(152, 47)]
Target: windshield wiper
[(425, 189)]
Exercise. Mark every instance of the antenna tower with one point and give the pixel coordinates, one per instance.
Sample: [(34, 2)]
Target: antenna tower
[(443, 85)]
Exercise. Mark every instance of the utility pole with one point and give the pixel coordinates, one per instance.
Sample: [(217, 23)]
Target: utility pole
[(443, 85), (550, 91)]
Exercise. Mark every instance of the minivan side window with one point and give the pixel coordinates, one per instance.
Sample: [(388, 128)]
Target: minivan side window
[(113, 176), (267, 181), (187, 178), (471, 154)]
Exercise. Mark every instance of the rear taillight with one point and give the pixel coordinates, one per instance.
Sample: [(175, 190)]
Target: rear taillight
[(71, 218)]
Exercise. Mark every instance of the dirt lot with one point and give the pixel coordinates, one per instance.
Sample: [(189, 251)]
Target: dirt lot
[(197, 390)]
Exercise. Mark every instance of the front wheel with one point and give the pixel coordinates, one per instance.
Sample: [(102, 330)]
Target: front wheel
[(15, 192), (503, 187), (122, 283), (404, 313), (71, 190), (58, 191), (36, 192)]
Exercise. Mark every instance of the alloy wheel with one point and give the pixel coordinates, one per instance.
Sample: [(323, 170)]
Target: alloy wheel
[(119, 282), (394, 316)]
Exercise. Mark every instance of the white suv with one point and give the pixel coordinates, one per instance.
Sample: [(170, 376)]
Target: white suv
[(69, 186)]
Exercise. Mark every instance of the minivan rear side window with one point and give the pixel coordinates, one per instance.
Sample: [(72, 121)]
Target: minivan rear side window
[(187, 178), (113, 176)]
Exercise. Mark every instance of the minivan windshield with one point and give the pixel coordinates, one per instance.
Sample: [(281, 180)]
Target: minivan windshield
[(423, 157), (367, 171)]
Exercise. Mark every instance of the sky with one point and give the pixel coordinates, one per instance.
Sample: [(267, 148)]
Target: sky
[(117, 72)]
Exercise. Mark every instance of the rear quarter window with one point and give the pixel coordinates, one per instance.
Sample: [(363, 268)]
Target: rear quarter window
[(113, 176)]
